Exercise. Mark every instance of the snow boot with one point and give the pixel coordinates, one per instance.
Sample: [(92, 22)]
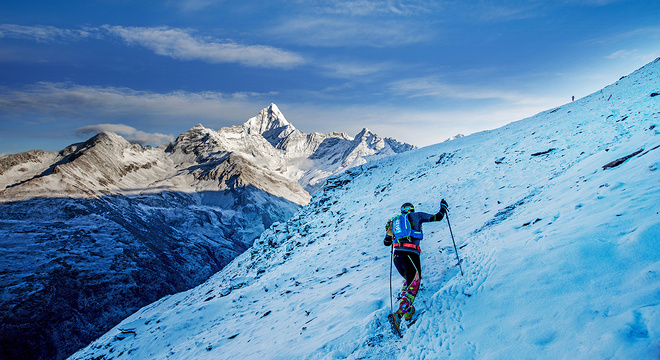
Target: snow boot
[(395, 322), (409, 314)]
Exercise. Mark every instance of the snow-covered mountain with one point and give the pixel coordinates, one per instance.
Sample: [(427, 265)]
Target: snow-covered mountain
[(556, 218), (94, 232), (311, 158), (267, 152)]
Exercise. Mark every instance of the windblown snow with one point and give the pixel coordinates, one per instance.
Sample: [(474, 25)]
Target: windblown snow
[(556, 219)]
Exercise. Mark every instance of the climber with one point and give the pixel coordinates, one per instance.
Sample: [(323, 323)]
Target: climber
[(404, 233)]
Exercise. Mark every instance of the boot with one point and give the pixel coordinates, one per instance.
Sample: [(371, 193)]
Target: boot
[(409, 315)]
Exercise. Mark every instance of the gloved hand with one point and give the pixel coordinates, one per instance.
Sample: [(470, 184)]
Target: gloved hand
[(444, 207), (387, 241)]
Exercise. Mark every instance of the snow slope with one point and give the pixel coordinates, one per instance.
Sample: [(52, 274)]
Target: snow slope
[(559, 242)]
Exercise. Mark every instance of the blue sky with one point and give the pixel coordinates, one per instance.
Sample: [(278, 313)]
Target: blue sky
[(418, 71)]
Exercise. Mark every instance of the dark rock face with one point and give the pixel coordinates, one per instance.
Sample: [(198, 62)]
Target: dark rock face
[(9, 161), (72, 268)]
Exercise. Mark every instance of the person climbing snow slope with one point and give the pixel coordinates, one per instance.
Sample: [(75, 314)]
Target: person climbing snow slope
[(404, 234)]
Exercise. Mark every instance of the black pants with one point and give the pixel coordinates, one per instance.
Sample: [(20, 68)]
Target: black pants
[(407, 264)]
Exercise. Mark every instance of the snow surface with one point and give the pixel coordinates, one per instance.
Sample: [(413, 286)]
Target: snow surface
[(560, 252)]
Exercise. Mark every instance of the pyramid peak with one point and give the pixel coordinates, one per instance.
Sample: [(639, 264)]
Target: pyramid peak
[(107, 137), (269, 118), (364, 132)]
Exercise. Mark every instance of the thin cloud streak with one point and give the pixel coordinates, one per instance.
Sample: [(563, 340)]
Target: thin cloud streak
[(338, 32), (44, 34), (183, 45), (432, 87), (129, 133), (179, 44), (376, 7), (353, 70), (649, 32), (112, 103), (196, 5)]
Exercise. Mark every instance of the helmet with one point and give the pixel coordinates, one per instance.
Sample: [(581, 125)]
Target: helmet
[(407, 208)]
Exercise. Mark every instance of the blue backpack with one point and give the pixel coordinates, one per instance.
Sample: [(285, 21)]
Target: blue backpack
[(402, 229)]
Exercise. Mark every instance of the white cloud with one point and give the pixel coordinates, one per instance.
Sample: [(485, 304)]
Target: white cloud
[(335, 32), (183, 45), (501, 12), (128, 132), (113, 104), (432, 87), (351, 70), (359, 23), (355, 7), (624, 54), (626, 37), (371, 7), (592, 2), (197, 5), (45, 33), (343, 7), (176, 43), (643, 56)]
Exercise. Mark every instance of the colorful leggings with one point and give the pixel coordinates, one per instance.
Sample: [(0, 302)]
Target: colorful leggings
[(408, 265)]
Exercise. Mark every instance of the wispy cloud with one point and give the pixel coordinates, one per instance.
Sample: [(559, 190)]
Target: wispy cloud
[(353, 70), (113, 104), (184, 45), (128, 132), (433, 87), (336, 32), (495, 11), (358, 23), (343, 7), (624, 54), (196, 5), (45, 33), (180, 44), (649, 32), (592, 2), (373, 7)]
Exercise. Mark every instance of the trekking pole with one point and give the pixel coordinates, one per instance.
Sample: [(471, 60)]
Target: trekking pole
[(453, 241), (391, 261)]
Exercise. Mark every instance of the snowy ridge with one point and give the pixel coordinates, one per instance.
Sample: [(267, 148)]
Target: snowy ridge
[(283, 161), (311, 158), (556, 218)]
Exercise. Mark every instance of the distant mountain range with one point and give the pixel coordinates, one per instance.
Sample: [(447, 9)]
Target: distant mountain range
[(95, 231)]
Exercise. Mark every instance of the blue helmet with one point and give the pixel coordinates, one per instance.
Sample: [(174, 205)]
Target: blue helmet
[(407, 208)]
